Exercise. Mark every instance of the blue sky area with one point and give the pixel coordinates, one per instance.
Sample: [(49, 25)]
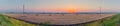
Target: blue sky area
[(60, 5)]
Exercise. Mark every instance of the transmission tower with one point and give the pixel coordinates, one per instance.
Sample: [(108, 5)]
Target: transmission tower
[(23, 8), (100, 10)]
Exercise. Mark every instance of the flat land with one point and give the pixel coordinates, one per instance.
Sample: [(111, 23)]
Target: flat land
[(60, 19)]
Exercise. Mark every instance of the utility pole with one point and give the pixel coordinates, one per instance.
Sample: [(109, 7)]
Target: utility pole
[(23, 12), (100, 11), (23, 8)]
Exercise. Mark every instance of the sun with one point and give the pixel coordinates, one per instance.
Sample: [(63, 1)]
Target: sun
[(71, 10)]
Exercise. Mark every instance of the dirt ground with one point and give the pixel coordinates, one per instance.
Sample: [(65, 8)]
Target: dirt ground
[(59, 19)]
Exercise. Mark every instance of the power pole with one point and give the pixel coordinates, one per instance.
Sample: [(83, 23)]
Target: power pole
[(100, 11), (23, 8)]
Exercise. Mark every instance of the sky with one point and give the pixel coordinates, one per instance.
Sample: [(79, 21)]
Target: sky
[(60, 5)]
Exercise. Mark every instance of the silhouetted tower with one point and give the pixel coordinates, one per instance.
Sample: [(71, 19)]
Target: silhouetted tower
[(23, 8), (100, 10), (23, 11)]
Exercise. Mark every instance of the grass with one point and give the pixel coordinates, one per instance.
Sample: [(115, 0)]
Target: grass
[(6, 21), (9, 21), (109, 21)]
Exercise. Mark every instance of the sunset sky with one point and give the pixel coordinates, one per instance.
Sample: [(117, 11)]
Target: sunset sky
[(60, 5)]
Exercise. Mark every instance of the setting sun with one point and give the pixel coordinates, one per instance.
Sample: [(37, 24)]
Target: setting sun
[(71, 10)]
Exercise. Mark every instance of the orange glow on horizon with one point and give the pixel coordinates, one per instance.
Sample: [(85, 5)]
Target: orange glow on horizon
[(71, 10)]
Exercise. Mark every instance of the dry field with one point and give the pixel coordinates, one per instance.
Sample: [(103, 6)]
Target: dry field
[(59, 19)]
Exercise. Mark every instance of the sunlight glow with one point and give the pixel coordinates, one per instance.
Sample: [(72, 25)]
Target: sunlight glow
[(71, 10)]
